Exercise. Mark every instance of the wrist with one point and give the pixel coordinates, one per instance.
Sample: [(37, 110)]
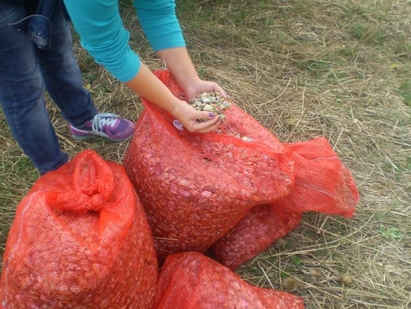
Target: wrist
[(189, 83), (175, 108)]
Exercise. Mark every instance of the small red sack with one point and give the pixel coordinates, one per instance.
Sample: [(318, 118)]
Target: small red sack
[(322, 184), (80, 239), (191, 280), (261, 227), (196, 187)]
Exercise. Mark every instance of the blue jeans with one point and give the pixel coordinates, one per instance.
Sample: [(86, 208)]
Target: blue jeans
[(26, 71)]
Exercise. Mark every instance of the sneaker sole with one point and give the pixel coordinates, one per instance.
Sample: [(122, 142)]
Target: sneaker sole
[(84, 137), (95, 135)]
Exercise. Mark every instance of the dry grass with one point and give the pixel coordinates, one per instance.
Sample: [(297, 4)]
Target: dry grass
[(303, 69)]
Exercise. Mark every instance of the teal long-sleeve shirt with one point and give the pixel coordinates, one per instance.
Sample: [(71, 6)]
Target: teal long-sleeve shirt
[(103, 35)]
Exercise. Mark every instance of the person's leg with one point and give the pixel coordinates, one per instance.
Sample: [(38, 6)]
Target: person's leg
[(64, 84), (62, 74), (22, 93)]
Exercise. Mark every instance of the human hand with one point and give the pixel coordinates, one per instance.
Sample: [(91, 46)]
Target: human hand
[(189, 117), (198, 86)]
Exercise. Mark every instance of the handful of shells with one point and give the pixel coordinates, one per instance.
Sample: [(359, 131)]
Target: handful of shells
[(212, 102)]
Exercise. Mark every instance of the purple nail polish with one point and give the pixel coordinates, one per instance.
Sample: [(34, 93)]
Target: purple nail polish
[(211, 114), (178, 125)]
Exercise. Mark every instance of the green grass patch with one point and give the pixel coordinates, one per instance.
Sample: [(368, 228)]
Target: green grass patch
[(367, 34), (405, 91)]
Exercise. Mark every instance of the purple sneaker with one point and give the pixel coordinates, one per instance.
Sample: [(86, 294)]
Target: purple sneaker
[(107, 125)]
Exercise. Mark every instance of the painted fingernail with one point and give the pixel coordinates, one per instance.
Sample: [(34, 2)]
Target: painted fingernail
[(178, 125), (211, 114)]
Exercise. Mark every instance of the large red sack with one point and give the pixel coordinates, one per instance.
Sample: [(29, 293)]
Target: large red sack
[(80, 239), (196, 187), (191, 280)]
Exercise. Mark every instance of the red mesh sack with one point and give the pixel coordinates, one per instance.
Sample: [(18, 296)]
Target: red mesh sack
[(322, 184), (262, 226), (196, 187), (191, 280), (80, 239)]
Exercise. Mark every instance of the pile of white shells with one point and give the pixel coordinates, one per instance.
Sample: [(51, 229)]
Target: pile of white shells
[(212, 102)]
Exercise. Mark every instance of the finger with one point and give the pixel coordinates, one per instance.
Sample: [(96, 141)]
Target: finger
[(208, 126), (213, 128), (221, 91), (206, 115)]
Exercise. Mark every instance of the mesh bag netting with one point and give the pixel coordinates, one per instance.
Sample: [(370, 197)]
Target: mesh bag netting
[(191, 280), (80, 239), (321, 184), (196, 187)]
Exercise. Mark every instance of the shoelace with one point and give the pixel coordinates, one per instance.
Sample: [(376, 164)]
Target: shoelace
[(100, 120)]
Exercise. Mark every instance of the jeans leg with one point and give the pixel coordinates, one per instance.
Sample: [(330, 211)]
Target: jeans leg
[(62, 74), (22, 93)]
